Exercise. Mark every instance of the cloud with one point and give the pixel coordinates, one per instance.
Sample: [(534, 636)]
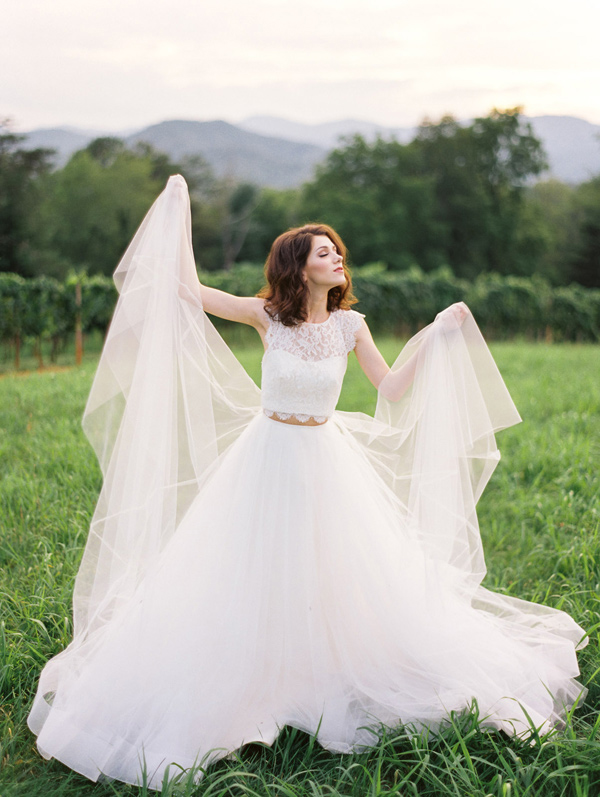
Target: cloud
[(121, 63)]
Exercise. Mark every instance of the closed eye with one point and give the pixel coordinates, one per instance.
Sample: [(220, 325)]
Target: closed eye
[(334, 250)]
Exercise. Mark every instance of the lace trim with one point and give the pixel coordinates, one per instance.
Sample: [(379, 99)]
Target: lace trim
[(334, 337), (285, 416)]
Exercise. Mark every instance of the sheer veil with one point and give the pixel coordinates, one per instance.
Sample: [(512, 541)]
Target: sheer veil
[(169, 399)]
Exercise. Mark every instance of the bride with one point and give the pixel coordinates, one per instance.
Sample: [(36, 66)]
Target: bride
[(260, 559)]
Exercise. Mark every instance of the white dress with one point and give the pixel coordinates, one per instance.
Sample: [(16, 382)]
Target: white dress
[(244, 574)]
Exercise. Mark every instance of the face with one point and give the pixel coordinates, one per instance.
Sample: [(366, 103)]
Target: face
[(324, 266)]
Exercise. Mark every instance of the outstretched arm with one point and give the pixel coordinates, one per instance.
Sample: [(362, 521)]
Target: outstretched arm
[(394, 385), (368, 355), (371, 360), (245, 309)]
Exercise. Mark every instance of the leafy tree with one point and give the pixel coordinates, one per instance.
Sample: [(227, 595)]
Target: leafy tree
[(275, 212), (454, 195), (94, 206), (194, 168), (480, 173), (238, 202), (549, 210), (236, 221), (22, 172), (106, 150), (585, 261), (379, 199), (96, 202)]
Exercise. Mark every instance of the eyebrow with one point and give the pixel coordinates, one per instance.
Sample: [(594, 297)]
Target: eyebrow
[(326, 247)]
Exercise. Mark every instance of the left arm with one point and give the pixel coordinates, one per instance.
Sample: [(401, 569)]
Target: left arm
[(375, 367), (368, 355)]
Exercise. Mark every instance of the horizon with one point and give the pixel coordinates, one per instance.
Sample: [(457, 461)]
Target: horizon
[(125, 132)]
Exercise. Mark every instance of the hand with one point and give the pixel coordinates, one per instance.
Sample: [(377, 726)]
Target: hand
[(460, 311), (453, 317)]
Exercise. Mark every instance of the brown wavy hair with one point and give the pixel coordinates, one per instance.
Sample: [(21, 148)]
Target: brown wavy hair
[(286, 293)]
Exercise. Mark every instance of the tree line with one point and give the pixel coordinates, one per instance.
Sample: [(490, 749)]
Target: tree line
[(463, 197), (43, 313)]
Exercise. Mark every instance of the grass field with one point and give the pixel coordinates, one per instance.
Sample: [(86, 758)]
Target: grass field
[(540, 523)]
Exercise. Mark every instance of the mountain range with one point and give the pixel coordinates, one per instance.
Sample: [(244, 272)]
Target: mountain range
[(271, 151)]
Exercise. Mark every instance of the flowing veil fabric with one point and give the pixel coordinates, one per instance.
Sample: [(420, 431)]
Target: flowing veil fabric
[(433, 436), (169, 400)]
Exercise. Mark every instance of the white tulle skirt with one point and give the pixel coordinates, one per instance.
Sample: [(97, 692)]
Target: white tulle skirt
[(293, 593)]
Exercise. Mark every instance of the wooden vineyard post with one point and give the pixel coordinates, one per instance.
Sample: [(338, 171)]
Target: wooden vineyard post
[(78, 332)]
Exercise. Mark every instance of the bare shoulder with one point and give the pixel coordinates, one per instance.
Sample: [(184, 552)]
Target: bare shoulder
[(260, 315)]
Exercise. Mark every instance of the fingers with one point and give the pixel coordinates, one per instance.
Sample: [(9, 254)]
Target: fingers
[(461, 311)]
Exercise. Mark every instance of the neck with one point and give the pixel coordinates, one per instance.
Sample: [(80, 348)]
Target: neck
[(316, 305)]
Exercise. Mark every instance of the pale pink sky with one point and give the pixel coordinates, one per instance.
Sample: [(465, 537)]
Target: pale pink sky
[(121, 64)]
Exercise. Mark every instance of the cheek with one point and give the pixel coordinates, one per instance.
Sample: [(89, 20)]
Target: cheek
[(318, 266)]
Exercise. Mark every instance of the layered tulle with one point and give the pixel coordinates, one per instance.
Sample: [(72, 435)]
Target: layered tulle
[(243, 574)]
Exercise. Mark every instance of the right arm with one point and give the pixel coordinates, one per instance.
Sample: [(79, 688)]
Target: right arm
[(245, 309)]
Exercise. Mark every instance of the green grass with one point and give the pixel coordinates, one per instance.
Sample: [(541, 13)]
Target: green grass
[(539, 520)]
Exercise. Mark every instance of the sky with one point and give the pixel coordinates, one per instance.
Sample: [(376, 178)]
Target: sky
[(119, 65)]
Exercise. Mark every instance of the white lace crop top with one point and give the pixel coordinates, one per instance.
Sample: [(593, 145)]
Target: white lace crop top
[(303, 366)]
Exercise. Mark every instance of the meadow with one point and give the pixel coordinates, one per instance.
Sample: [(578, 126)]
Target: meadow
[(540, 525)]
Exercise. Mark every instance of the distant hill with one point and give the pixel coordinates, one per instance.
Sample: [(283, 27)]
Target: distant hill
[(64, 141), (230, 150), (572, 145), (276, 152), (327, 134)]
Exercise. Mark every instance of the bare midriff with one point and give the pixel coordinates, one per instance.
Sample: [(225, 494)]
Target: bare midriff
[(296, 422)]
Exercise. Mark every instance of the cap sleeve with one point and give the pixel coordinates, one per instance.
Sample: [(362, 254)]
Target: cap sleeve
[(350, 321)]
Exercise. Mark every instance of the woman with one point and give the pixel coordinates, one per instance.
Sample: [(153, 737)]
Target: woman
[(261, 559)]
